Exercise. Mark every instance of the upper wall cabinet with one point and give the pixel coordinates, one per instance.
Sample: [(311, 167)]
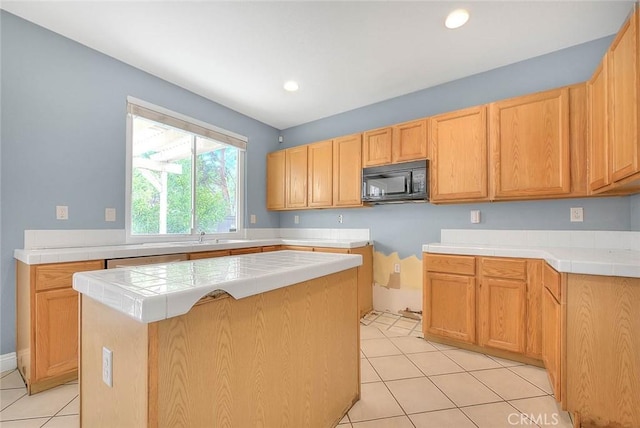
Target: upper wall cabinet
[(376, 147), (320, 174), (530, 146), (399, 143), (458, 144), (296, 177), (409, 141), (276, 180), (347, 171), (598, 128)]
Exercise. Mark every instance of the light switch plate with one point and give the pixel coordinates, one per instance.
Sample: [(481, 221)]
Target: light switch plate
[(296, 219), (252, 219), (475, 216), (107, 366)]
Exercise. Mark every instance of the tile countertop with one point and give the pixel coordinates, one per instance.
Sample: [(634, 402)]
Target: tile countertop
[(156, 292), (74, 254), (591, 261)]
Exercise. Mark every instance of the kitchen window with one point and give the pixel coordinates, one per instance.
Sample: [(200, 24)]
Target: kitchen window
[(184, 176)]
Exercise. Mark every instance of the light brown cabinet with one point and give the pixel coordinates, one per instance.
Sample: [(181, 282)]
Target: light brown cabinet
[(376, 147), (47, 322), (320, 174), (490, 304), (598, 128), (409, 141), (623, 93), (458, 167), (208, 254), (502, 304), (296, 177), (449, 307), (332, 175), (552, 328), (530, 146), (347, 171), (276, 181), (394, 144)]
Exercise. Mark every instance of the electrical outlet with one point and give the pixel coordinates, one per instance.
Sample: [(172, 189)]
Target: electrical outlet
[(396, 268), (340, 218), (253, 219), (62, 212), (109, 214), (107, 366), (296, 219), (577, 214)]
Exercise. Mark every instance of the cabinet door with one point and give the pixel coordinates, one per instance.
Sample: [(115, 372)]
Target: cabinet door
[(276, 180), (458, 167), (502, 312), (409, 141), (450, 306), (296, 177), (551, 339), (347, 171), (376, 147), (623, 107), (320, 180), (530, 145), (598, 128), (56, 327)]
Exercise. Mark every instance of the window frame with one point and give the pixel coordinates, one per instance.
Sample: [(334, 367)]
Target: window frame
[(194, 235)]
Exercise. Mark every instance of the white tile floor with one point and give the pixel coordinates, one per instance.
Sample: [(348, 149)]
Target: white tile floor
[(406, 382)]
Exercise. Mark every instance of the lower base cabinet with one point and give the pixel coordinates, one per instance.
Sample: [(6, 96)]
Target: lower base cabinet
[(450, 302), (47, 323)]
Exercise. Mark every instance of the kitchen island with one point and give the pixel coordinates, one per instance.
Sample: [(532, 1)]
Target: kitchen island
[(267, 339)]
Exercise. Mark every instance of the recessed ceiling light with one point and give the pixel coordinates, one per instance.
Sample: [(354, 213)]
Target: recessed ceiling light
[(291, 86), (457, 19)]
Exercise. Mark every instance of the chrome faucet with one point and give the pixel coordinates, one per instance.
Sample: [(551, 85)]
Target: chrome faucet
[(201, 238)]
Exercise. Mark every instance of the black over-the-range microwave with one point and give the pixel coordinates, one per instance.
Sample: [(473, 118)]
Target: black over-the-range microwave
[(403, 182)]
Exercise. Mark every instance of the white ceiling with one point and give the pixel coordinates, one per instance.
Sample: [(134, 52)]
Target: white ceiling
[(345, 55)]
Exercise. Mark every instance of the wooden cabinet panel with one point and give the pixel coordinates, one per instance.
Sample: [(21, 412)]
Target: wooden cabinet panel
[(409, 141), (270, 248), (551, 280), (276, 199), (296, 177), (530, 145), (551, 334), (56, 326), (450, 306), (58, 275), (297, 248), (464, 265), (320, 170), (623, 98), (208, 254), (598, 128), (502, 309), (534, 308), (146, 260), (347, 171), (504, 268), (458, 161), (376, 147), (239, 251)]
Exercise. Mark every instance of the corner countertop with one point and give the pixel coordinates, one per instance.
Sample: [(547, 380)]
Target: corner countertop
[(155, 292), (590, 261), (74, 254)]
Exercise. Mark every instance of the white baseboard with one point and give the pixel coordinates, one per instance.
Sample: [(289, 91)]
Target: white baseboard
[(8, 362)]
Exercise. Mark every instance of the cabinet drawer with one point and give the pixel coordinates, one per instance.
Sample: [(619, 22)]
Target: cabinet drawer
[(504, 268), (270, 248), (240, 251), (464, 265), (208, 254), (551, 280), (331, 250), (60, 275)]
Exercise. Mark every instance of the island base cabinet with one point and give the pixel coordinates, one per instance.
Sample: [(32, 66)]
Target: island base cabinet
[(603, 350), (286, 358)]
